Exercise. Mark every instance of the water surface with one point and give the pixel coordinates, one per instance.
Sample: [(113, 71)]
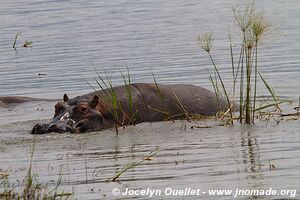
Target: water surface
[(72, 39)]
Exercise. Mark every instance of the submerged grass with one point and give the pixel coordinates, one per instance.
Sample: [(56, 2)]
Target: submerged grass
[(132, 166)]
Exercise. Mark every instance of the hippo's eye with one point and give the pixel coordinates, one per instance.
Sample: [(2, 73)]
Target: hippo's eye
[(83, 109)]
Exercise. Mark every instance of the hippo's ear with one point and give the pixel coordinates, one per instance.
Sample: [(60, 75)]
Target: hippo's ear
[(95, 101), (66, 98)]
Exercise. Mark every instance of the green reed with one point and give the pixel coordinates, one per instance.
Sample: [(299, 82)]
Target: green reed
[(111, 94), (31, 187), (253, 26), (127, 82), (162, 99), (120, 117), (205, 42), (132, 166)]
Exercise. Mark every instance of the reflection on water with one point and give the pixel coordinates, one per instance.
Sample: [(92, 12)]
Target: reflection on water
[(250, 151), (70, 39)]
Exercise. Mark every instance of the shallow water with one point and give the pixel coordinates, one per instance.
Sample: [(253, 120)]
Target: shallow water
[(214, 158), (72, 38)]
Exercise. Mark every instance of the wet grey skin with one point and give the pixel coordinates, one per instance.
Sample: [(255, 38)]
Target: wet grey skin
[(11, 100), (93, 111)]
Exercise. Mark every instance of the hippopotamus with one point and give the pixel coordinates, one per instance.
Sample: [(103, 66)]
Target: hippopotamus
[(9, 100), (131, 104)]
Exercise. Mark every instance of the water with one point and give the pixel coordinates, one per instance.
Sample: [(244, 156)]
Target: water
[(73, 38)]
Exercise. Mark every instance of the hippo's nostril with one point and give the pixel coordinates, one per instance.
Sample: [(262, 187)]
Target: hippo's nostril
[(61, 127), (56, 128)]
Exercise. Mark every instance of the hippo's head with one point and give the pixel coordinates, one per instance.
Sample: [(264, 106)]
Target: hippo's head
[(76, 116)]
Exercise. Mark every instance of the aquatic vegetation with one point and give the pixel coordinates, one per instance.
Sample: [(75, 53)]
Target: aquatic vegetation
[(183, 110), (15, 40), (253, 26), (133, 165), (127, 83), (120, 117), (205, 42), (26, 44), (31, 188), (109, 95), (162, 99)]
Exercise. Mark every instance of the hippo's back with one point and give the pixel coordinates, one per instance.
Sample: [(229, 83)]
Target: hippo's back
[(177, 99)]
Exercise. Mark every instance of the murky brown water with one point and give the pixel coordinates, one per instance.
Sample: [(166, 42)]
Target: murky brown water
[(215, 158), (71, 38)]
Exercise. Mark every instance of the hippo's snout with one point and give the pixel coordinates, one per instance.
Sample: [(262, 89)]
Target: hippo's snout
[(57, 127), (40, 129)]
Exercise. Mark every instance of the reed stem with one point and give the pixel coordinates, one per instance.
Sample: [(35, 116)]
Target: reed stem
[(223, 86), (248, 87), (255, 81)]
